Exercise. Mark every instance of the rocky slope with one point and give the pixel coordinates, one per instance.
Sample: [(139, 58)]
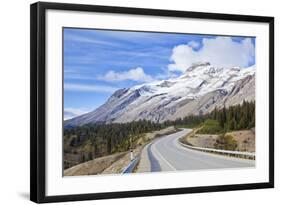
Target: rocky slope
[(199, 90)]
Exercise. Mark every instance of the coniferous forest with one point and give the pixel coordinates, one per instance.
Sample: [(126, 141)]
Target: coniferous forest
[(237, 117), (96, 140)]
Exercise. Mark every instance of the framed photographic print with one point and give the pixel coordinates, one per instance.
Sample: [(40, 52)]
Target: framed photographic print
[(129, 102)]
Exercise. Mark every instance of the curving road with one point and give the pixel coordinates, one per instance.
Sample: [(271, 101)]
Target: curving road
[(166, 154)]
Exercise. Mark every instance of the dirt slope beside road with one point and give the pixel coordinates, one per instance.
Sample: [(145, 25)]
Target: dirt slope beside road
[(118, 166), (95, 166), (245, 140)]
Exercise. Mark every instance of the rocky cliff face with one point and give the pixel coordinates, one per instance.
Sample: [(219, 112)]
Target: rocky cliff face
[(199, 90)]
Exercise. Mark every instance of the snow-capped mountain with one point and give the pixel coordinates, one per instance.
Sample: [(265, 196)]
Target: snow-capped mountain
[(199, 90)]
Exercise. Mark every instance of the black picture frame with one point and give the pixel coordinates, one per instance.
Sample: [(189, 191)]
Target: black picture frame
[(38, 100)]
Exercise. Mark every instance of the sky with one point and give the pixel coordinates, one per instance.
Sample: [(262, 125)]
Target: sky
[(99, 62)]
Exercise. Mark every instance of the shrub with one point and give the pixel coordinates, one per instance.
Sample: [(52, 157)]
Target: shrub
[(226, 142)]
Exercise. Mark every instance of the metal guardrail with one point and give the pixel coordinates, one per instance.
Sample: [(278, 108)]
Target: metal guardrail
[(130, 168), (247, 154)]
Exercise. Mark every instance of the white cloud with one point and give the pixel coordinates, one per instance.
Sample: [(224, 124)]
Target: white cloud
[(136, 74), (193, 44), (221, 52), (73, 112), (89, 88)]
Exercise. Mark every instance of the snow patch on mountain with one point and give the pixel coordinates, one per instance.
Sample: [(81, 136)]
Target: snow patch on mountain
[(199, 89)]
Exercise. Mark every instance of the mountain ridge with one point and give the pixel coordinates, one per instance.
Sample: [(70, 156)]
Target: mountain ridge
[(200, 89)]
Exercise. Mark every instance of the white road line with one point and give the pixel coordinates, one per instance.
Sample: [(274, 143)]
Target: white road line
[(159, 155)]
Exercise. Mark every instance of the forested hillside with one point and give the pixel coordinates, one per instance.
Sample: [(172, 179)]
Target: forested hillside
[(95, 140), (235, 117)]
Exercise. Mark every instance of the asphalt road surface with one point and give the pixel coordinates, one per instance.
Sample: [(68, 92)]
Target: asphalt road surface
[(166, 154)]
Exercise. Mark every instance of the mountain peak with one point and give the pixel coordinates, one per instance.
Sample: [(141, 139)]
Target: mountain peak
[(201, 88), (196, 65)]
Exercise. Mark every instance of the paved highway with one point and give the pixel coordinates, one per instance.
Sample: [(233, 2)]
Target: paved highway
[(166, 154)]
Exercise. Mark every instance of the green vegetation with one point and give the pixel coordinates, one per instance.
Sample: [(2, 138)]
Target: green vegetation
[(235, 117), (210, 127), (90, 141), (97, 140), (226, 142), (190, 121), (219, 121)]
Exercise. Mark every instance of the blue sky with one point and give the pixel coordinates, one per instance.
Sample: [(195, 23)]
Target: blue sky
[(98, 62)]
